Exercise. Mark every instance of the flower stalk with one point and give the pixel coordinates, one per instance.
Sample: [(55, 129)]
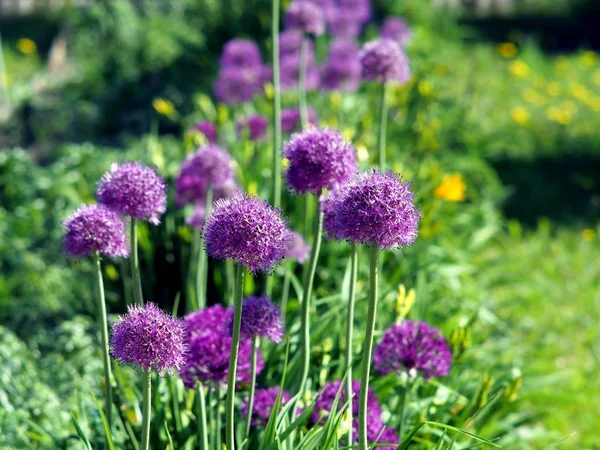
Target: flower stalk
[(350, 330), (383, 117), (135, 265), (253, 360), (202, 266), (147, 408), (201, 417), (276, 106)]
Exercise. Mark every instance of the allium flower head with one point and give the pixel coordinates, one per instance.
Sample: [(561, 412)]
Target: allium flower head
[(344, 23), (384, 60), (149, 338), (306, 17), (210, 348), (248, 231), (241, 54), (375, 209), (235, 86), (290, 73), (396, 29), (342, 69), (290, 119), (256, 126), (260, 318), (209, 165), (297, 248), (264, 400), (289, 44), (360, 8), (208, 129), (319, 159), (95, 228), (134, 190), (413, 345)]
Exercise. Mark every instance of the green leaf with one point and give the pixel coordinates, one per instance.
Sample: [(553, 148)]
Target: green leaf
[(80, 433)]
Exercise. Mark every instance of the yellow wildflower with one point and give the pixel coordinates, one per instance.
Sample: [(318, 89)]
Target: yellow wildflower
[(588, 235), (252, 188), (361, 153), (222, 114), (553, 89), (269, 90), (404, 302), (507, 49), (588, 58), (519, 68), (285, 163), (561, 116), (452, 188), (111, 272), (519, 115), (425, 88), (164, 107), (348, 133), (26, 46)]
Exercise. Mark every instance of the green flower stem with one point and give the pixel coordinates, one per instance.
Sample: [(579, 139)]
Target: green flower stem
[(202, 266), (175, 399), (306, 298), (147, 408), (350, 330), (219, 445), (192, 303), (383, 117), (235, 345), (135, 265), (368, 348), (253, 360), (276, 106), (302, 83), (286, 289), (201, 418), (401, 408), (103, 322), (212, 409)]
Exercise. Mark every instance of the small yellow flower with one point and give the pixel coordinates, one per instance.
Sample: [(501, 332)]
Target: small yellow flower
[(285, 163), (519, 68), (425, 88), (520, 115), (588, 58), (404, 302), (335, 99), (111, 272), (222, 114), (348, 133), (164, 107), (507, 49), (452, 188), (26, 46), (269, 91), (361, 153), (588, 235), (562, 116), (252, 188), (553, 89)]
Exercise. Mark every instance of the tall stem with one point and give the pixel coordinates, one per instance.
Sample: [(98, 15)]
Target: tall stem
[(202, 429), (135, 265), (202, 266), (192, 303), (253, 360), (350, 331), (306, 297), (276, 106), (302, 83), (147, 408), (401, 407), (383, 116), (368, 348), (286, 289), (235, 345), (103, 322)]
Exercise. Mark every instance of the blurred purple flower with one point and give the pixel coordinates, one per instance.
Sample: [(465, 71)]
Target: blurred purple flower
[(344, 23), (289, 45), (396, 29), (241, 54), (290, 119), (305, 16), (260, 318), (264, 400), (342, 69), (208, 129), (255, 125), (297, 248), (384, 60), (235, 86), (290, 73)]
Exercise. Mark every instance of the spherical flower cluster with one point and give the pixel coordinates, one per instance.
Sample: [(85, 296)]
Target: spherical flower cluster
[(134, 190), (149, 338), (208, 129), (290, 42), (305, 16), (396, 29), (95, 228), (290, 119), (290, 73), (344, 23), (375, 209), (260, 318), (360, 8), (255, 125), (241, 54), (209, 165), (318, 159), (264, 400), (235, 86), (297, 248), (248, 231), (342, 69), (210, 348), (413, 345), (384, 60)]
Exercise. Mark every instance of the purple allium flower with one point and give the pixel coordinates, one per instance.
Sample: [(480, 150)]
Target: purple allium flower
[(149, 338), (374, 209), (290, 119), (360, 8), (413, 345), (95, 228), (342, 69), (260, 318), (241, 54), (208, 129), (264, 400), (209, 165), (396, 29), (384, 60), (210, 348), (290, 73), (289, 44), (387, 436), (324, 402), (248, 231), (306, 17), (234, 86), (266, 74), (344, 23), (134, 190), (319, 159), (297, 248), (256, 126)]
